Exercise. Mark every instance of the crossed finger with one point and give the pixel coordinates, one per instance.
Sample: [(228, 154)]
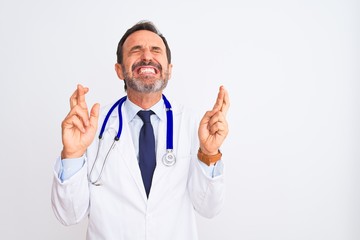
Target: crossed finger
[(78, 97), (79, 114), (222, 102)]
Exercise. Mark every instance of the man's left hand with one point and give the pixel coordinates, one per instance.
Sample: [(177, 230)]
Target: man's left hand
[(213, 127)]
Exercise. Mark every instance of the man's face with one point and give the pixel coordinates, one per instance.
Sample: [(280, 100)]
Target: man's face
[(145, 65)]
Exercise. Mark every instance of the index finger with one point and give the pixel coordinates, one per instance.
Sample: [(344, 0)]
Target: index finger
[(222, 102), (226, 102), (78, 97)]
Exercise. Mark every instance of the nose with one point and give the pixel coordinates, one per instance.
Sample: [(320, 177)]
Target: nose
[(146, 55)]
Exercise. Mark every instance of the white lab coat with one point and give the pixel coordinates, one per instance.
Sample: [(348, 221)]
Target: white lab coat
[(119, 209)]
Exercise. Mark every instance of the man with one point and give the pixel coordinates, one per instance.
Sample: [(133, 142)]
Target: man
[(128, 193)]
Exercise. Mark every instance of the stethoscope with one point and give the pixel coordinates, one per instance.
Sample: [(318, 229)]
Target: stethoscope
[(168, 158)]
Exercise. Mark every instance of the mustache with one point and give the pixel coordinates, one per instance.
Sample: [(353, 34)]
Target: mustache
[(143, 63)]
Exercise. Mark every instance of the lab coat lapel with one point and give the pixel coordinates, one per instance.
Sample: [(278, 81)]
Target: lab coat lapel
[(125, 150), (161, 170)]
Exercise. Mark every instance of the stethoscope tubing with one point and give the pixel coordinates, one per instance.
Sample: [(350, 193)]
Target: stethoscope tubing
[(169, 127), (117, 104), (169, 137)]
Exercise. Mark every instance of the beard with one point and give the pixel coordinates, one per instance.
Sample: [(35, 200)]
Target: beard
[(139, 85)]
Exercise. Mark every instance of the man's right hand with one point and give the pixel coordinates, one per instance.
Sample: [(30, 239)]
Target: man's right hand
[(79, 128)]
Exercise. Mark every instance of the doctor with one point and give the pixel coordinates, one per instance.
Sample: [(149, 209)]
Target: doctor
[(126, 192)]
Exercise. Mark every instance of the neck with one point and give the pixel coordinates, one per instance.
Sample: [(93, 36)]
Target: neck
[(144, 100)]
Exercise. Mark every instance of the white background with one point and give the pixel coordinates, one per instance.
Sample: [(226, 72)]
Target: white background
[(292, 71)]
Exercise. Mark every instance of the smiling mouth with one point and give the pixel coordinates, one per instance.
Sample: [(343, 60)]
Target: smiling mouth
[(143, 68), (146, 70)]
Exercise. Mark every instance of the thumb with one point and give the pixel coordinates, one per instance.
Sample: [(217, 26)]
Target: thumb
[(94, 115)]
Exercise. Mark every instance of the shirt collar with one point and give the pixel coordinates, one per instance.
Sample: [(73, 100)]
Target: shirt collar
[(132, 109)]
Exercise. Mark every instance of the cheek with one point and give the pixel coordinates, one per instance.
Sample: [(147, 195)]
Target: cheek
[(128, 69), (128, 63)]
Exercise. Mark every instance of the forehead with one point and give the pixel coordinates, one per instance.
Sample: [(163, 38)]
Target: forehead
[(143, 38)]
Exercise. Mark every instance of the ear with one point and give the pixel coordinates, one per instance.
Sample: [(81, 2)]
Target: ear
[(119, 71), (170, 70)]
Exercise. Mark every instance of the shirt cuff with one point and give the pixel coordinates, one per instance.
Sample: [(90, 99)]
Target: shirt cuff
[(69, 167), (213, 170)]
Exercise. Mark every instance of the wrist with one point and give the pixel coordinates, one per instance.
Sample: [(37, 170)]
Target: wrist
[(209, 159), (65, 154)]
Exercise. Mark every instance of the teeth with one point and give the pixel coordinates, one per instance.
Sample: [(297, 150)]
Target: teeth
[(147, 70)]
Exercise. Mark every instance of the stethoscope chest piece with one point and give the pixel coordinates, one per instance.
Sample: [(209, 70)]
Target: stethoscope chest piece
[(169, 158)]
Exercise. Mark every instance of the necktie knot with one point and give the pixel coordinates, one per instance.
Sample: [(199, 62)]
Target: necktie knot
[(145, 115)]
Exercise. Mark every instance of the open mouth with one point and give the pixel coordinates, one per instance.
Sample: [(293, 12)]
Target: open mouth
[(146, 70)]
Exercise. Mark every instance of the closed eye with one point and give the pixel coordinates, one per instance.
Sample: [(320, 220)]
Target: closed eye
[(156, 49), (135, 49)]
